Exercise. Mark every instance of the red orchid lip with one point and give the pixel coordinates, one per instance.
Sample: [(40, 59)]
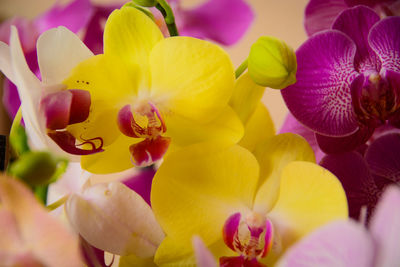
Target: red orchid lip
[(64, 108)]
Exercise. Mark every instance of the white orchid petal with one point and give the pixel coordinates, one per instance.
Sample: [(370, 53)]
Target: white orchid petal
[(29, 90), (114, 218), (59, 51), (5, 62)]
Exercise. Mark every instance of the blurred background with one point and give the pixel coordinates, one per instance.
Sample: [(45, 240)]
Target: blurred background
[(280, 18)]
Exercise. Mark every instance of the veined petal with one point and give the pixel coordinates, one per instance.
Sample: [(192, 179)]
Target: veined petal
[(246, 97), (385, 41), (226, 128), (259, 127), (115, 157), (321, 98), (218, 181), (320, 14), (130, 36), (59, 50), (356, 23), (342, 243), (115, 219), (273, 155), (211, 21), (385, 228), (201, 82), (309, 197)]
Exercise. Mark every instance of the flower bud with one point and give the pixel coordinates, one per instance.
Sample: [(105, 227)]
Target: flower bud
[(272, 63), (145, 3), (35, 167)]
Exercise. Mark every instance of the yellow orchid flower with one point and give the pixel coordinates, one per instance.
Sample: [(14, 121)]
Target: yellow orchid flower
[(148, 93), (247, 208)]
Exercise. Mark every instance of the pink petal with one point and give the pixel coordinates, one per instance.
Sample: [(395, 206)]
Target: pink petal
[(384, 39), (223, 21), (342, 243), (385, 228), (356, 23), (204, 257), (73, 16), (141, 182), (321, 99), (320, 14)]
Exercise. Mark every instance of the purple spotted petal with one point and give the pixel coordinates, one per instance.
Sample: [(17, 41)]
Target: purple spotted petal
[(291, 125), (320, 14), (356, 23), (383, 157), (384, 39), (321, 99), (223, 21), (141, 182), (342, 243), (385, 228), (74, 16), (94, 31), (334, 145), (352, 171)]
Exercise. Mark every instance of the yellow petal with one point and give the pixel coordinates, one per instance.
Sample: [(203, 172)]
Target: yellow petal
[(115, 157), (190, 78), (132, 260), (225, 128), (246, 96), (258, 128), (130, 36), (309, 196), (273, 155), (196, 189)]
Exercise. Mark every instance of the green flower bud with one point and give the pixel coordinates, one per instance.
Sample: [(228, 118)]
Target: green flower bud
[(35, 167), (145, 3), (272, 63)]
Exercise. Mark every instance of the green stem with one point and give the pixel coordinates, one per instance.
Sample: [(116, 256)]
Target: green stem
[(41, 193), (239, 71), (168, 15)]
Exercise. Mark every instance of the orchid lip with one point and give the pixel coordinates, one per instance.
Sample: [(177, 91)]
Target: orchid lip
[(250, 236), (67, 142)]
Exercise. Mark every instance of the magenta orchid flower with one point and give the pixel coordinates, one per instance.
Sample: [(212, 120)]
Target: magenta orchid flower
[(347, 244), (365, 176), (320, 14), (348, 80)]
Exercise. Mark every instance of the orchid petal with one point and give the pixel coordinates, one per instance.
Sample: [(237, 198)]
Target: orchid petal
[(291, 125), (198, 88), (133, 260), (210, 20), (385, 41), (5, 62), (385, 228), (332, 145), (321, 98), (259, 127), (29, 90), (47, 239), (318, 194), (115, 219), (141, 182), (204, 257), (114, 158), (74, 16), (382, 157), (226, 127), (273, 155), (342, 243), (320, 14), (130, 35), (352, 171), (356, 23), (214, 192), (59, 50), (246, 96), (27, 31)]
